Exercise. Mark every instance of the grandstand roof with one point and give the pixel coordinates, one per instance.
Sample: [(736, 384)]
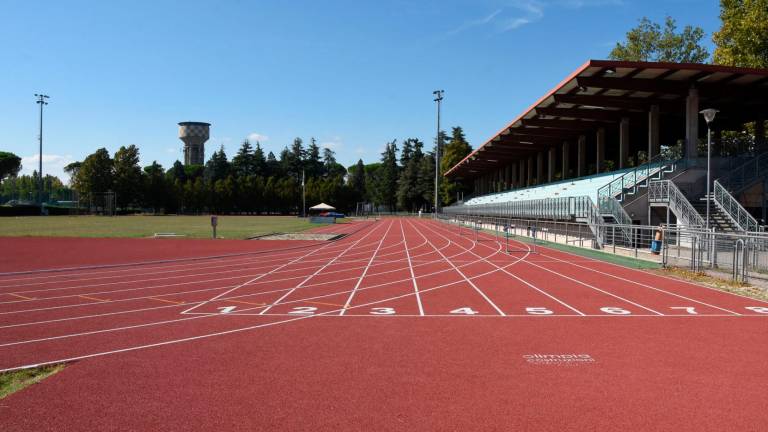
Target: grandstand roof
[(601, 92)]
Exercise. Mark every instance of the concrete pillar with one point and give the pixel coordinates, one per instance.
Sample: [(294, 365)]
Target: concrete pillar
[(521, 172), (692, 124), (507, 184), (600, 149), (623, 142), (530, 170), (581, 156), (551, 165), (566, 156), (513, 169), (654, 145), (540, 168)]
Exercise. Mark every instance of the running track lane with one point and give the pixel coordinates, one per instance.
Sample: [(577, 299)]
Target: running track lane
[(378, 358)]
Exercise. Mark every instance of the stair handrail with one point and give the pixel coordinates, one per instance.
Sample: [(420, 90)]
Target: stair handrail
[(744, 174), (667, 191), (633, 178), (734, 210)]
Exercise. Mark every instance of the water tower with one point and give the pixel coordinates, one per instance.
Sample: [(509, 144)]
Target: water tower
[(194, 135)]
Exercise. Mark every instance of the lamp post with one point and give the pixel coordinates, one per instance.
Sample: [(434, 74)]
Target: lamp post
[(438, 98), (709, 115), (41, 100)]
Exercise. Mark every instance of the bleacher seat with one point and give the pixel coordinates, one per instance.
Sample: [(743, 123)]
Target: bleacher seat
[(582, 186)]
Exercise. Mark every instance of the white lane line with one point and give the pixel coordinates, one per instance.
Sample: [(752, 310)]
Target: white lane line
[(51, 272), (643, 285), (214, 289), (410, 266), (192, 338), (593, 287), (532, 286), (365, 271), (259, 277), (308, 278), (463, 275)]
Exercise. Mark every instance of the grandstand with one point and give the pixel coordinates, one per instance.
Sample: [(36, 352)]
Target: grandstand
[(624, 144)]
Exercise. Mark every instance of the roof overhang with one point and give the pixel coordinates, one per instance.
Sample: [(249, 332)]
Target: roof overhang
[(602, 92)]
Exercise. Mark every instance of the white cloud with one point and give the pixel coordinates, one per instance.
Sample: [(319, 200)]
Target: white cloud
[(52, 164), (518, 13), (172, 150), (255, 136)]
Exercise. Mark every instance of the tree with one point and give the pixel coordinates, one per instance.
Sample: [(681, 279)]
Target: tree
[(10, 164), (647, 42), (313, 164), (71, 169), (217, 167), (244, 164), (743, 36), (357, 178), (95, 174), (386, 184), (176, 172), (155, 189), (457, 149), (127, 176), (425, 185), (259, 162)]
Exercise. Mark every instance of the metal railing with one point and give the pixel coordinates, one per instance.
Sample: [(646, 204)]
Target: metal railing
[(741, 255), (731, 207), (629, 182), (665, 191), (746, 174)]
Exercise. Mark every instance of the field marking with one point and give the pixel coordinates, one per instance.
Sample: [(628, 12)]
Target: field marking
[(259, 277), (93, 298), (410, 267), (590, 286), (365, 271), (316, 272), (167, 301), (19, 296), (166, 261), (463, 275), (530, 285), (645, 285)]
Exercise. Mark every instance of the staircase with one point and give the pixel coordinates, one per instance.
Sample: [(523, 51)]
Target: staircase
[(718, 218)]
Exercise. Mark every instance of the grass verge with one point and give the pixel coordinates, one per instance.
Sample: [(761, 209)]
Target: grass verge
[(588, 253), (11, 382), (716, 282), (229, 227)]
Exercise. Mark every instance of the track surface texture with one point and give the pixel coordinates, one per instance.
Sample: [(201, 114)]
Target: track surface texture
[(403, 324)]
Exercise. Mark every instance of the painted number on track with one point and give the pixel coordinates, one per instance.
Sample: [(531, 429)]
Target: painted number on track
[(758, 309), (226, 310), (538, 311), (689, 309), (465, 311), (615, 311), (382, 311)]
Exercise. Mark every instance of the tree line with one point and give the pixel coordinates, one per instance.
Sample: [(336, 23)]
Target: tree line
[(251, 182)]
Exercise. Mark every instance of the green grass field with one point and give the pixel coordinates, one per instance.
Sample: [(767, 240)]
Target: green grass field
[(230, 227)]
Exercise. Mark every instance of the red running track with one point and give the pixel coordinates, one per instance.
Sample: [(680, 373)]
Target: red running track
[(404, 324)]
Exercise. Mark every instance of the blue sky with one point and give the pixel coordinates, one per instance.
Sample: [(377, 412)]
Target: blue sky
[(353, 74)]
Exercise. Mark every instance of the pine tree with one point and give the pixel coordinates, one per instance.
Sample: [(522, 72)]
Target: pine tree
[(217, 167), (456, 150), (259, 162), (313, 165), (388, 175), (244, 164)]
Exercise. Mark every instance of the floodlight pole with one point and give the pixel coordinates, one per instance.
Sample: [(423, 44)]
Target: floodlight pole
[(41, 100), (303, 195), (438, 98)]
